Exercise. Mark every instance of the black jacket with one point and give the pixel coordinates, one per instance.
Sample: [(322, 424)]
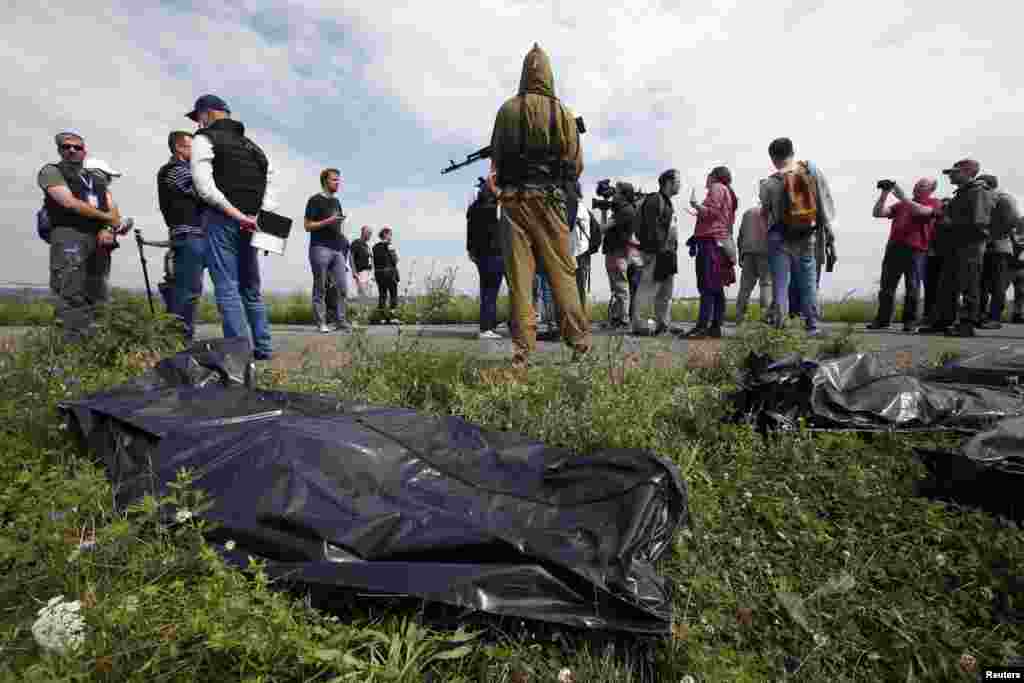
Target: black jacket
[(239, 165), (655, 223), (483, 229), (177, 206), (361, 257), (621, 229), (384, 264)]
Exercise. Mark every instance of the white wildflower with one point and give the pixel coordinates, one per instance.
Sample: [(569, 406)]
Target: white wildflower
[(182, 516), (748, 495), (565, 676), (230, 545), (820, 639), (131, 603), (687, 679), (59, 627), (940, 560)]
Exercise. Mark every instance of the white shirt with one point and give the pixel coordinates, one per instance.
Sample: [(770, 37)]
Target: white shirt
[(206, 188)]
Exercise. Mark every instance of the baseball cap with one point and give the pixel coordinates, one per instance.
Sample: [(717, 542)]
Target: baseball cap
[(100, 165), (208, 103), (968, 166)]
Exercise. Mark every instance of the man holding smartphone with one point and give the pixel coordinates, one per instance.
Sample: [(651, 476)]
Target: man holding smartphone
[(328, 250)]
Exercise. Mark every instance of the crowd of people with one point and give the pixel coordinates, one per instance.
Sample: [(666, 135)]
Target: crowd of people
[(211, 193), (525, 226)]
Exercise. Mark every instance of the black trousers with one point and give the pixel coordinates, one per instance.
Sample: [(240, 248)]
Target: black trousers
[(900, 262), (932, 276), (995, 278), (387, 287), (961, 276)]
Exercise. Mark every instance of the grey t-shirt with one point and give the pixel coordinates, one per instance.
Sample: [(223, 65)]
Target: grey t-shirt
[(773, 197)]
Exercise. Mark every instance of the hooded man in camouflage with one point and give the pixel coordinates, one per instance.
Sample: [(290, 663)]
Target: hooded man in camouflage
[(535, 162)]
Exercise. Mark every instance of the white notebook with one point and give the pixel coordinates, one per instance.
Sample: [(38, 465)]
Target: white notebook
[(267, 242)]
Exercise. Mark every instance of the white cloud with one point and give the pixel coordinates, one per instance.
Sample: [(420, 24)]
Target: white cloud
[(867, 90)]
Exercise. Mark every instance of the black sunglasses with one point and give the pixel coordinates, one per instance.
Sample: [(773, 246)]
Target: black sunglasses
[(76, 148)]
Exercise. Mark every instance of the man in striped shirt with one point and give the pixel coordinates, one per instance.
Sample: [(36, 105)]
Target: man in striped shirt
[(180, 207)]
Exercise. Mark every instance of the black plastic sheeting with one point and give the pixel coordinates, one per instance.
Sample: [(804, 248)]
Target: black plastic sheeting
[(980, 397), (393, 501)]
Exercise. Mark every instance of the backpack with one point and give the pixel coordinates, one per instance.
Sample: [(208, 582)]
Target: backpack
[(43, 226), (800, 202), (638, 228)]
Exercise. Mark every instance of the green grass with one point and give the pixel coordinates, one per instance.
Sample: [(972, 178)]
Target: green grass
[(808, 557), (437, 307)]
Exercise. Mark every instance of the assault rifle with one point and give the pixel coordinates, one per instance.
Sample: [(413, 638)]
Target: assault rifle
[(485, 152)]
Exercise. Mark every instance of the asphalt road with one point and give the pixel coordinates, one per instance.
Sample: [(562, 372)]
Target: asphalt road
[(297, 338)]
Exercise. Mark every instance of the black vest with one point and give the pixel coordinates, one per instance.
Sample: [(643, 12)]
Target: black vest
[(239, 165), (177, 207), (61, 217)]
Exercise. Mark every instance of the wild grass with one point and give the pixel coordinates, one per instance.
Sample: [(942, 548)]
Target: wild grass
[(808, 557)]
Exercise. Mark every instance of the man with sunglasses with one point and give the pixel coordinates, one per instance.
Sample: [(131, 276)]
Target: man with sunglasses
[(83, 215), (234, 179)]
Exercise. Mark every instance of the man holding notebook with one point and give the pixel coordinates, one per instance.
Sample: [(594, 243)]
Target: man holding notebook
[(234, 179)]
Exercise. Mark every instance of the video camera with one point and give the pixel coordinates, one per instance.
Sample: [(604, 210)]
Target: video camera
[(605, 191)]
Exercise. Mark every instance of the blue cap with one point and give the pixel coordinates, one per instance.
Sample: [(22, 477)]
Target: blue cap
[(208, 103)]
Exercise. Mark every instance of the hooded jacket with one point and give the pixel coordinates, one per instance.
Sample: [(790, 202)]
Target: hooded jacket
[(545, 118)]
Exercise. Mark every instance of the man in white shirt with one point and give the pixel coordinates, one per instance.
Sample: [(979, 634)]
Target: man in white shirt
[(234, 178)]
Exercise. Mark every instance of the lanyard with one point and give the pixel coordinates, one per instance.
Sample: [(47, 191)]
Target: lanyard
[(88, 183)]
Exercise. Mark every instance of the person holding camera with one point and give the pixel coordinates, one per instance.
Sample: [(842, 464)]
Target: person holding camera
[(657, 256), (618, 236), (328, 250), (964, 231), (535, 161), (1000, 254), (911, 232), (82, 214)]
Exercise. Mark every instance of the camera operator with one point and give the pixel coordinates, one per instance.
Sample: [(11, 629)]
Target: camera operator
[(81, 210), (617, 236), (913, 226), (999, 254)]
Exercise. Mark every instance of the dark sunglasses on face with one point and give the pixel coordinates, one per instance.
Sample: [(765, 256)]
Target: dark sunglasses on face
[(76, 148)]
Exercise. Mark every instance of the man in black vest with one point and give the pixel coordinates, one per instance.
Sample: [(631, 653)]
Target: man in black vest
[(234, 178), (180, 207), (385, 272), (82, 213)]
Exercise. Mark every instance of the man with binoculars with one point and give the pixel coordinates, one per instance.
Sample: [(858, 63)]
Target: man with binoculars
[(913, 226)]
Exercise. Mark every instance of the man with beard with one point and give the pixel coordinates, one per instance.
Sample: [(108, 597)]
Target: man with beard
[(83, 215), (535, 161)]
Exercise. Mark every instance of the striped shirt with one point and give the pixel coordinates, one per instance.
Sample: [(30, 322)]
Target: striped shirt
[(179, 179)]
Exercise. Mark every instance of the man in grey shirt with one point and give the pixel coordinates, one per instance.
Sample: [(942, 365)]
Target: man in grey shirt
[(794, 256)]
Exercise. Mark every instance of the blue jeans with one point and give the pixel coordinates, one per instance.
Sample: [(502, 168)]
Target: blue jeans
[(326, 262), (543, 295), (189, 264), (235, 271), (492, 272), (793, 260)]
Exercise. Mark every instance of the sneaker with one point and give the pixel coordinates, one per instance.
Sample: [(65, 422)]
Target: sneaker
[(323, 328), (816, 332), (1017, 319), (909, 327), (875, 325), (715, 332), (695, 333), (489, 334), (395, 321), (261, 355), (990, 325), (343, 327), (549, 335), (935, 328)]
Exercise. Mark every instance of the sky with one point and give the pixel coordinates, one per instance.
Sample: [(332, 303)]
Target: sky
[(389, 92)]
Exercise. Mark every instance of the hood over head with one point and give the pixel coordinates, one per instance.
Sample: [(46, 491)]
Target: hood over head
[(537, 76)]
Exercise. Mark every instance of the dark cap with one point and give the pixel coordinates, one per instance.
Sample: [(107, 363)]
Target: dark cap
[(968, 166), (208, 103), (989, 180)]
